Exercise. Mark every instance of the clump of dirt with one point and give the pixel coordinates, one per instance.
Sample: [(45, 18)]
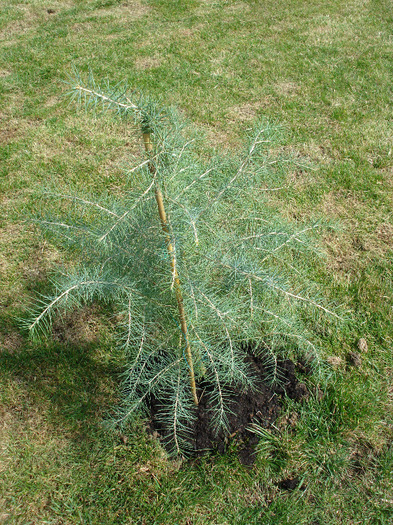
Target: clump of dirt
[(261, 407), (290, 484)]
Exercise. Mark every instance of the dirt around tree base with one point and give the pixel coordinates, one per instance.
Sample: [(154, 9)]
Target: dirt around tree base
[(261, 407)]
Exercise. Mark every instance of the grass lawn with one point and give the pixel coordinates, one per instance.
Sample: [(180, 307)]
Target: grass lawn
[(323, 71)]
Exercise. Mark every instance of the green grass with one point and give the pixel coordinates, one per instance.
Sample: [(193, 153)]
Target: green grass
[(323, 70)]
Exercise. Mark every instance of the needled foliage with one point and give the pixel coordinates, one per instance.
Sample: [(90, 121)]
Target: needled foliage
[(237, 264)]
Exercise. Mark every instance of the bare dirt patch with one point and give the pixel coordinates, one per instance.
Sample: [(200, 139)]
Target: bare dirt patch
[(261, 407)]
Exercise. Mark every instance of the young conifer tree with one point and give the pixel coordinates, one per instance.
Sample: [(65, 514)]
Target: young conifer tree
[(199, 266)]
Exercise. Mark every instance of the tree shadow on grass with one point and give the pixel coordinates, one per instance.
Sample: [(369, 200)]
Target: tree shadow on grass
[(57, 397), (74, 381)]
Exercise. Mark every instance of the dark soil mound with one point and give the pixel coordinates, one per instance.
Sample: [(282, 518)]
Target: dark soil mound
[(261, 407)]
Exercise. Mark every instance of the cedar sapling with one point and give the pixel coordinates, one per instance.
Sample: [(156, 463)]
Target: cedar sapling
[(198, 264)]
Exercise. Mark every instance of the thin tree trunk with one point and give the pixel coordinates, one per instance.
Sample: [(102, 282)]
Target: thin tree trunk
[(177, 286)]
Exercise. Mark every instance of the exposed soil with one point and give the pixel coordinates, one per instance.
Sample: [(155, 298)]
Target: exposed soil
[(289, 483), (261, 407)]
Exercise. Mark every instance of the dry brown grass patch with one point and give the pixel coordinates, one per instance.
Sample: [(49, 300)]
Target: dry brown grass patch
[(288, 89), (245, 112), (385, 234), (8, 133), (29, 18), (242, 7), (11, 342), (79, 327), (8, 235), (143, 63), (130, 9), (352, 251)]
